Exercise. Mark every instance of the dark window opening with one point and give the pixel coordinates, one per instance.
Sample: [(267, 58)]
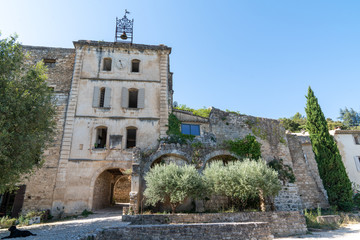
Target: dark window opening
[(50, 63), (101, 134), (107, 64), (131, 138), (190, 129), (102, 97), (133, 98), (135, 65), (357, 140)]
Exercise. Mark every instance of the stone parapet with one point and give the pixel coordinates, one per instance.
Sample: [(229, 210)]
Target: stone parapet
[(280, 223), (211, 231)]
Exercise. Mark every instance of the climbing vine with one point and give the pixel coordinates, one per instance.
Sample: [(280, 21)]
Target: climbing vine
[(285, 172), (174, 133), (247, 147)]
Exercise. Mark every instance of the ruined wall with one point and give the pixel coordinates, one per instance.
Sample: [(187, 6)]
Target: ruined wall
[(305, 169), (40, 186)]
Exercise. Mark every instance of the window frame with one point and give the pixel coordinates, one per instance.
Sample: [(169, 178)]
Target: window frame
[(104, 141), (131, 140), (190, 127), (107, 64), (133, 62)]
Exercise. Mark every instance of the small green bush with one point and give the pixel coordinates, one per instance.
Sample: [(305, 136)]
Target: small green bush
[(6, 222), (245, 148), (86, 213), (172, 183)]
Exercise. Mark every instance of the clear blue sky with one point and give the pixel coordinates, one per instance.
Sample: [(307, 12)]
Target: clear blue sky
[(255, 56)]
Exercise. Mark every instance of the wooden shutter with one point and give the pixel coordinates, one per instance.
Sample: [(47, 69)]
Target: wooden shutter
[(124, 98), (96, 97), (141, 98), (107, 98)]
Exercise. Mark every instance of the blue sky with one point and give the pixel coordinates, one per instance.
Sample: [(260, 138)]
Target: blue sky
[(256, 56)]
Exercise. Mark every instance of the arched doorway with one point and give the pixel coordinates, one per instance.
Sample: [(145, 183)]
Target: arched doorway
[(108, 186)]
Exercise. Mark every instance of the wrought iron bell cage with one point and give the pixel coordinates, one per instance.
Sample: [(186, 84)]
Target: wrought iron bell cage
[(124, 29)]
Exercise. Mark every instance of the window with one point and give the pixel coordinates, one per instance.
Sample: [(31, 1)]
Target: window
[(101, 135), (190, 129), (357, 139), (101, 97), (130, 137), (107, 64), (357, 163), (135, 65), (133, 98), (50, 63)]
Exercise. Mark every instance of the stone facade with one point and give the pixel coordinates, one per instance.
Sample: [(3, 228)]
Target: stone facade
[(113, 102)]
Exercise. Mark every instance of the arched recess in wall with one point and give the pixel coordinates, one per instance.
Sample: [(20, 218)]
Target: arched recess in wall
[(222, 155), (166, 156), (103, 183)]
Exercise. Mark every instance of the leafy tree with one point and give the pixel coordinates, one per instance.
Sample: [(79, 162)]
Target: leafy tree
[(295, 123), (26, 114), (350, 118), (241, 180), (335, 124), (328, 158), (172, 183)]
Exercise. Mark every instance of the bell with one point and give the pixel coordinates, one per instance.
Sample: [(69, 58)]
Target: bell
[(123, 36)]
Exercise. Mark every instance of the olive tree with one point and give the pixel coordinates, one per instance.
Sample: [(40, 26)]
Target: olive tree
[(26, 114), (241, 180), (172, 183)]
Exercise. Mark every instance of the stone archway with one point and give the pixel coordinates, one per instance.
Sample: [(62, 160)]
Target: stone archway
[(122, 189), (104, 188), (223, 155)]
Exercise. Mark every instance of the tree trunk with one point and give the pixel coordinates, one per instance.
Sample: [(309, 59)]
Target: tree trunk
[(173, 207), (262, 200)]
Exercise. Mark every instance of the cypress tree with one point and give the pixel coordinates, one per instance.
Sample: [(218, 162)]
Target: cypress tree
[(328, 158)]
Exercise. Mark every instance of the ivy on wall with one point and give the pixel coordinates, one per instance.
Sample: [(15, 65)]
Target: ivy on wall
[(247, 147), (174, 132), (285, 172)]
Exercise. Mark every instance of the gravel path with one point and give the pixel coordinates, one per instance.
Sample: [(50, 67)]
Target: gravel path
[(349, 232), (108, 218), (73, 229)]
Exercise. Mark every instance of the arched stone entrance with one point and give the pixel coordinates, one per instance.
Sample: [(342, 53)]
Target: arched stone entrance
[(108, 188)]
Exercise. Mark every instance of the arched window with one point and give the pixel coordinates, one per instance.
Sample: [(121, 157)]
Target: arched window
[(102, 97), (101, 136), (130, 137), (135, 65), (107, 64), (133, 98)]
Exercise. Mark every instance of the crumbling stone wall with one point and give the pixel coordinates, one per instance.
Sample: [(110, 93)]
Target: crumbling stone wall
[(40, 186), (102, 190), (310, 186)]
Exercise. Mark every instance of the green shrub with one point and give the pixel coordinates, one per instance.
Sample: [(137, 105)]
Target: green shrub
[(245, 148), (242, 180), (86, 213), (6, 222), (172, 183)]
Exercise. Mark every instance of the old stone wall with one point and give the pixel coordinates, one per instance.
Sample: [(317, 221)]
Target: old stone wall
[(310, 186), (122, 189), (280, 223), (215, 231), (102, 191), (40, 186)]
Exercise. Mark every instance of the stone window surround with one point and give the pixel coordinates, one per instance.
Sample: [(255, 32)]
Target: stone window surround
[(357, 163)]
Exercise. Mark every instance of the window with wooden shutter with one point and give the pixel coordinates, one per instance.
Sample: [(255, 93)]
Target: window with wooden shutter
[(96, 97), (102, 97), (107, 97), (124, 97), (133, 98), (141, 98)]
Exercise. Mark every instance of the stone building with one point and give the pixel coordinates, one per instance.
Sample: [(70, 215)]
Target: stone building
[(113, 103), (348, 142)]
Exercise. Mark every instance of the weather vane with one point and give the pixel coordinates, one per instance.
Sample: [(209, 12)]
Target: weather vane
[(124, 29)]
